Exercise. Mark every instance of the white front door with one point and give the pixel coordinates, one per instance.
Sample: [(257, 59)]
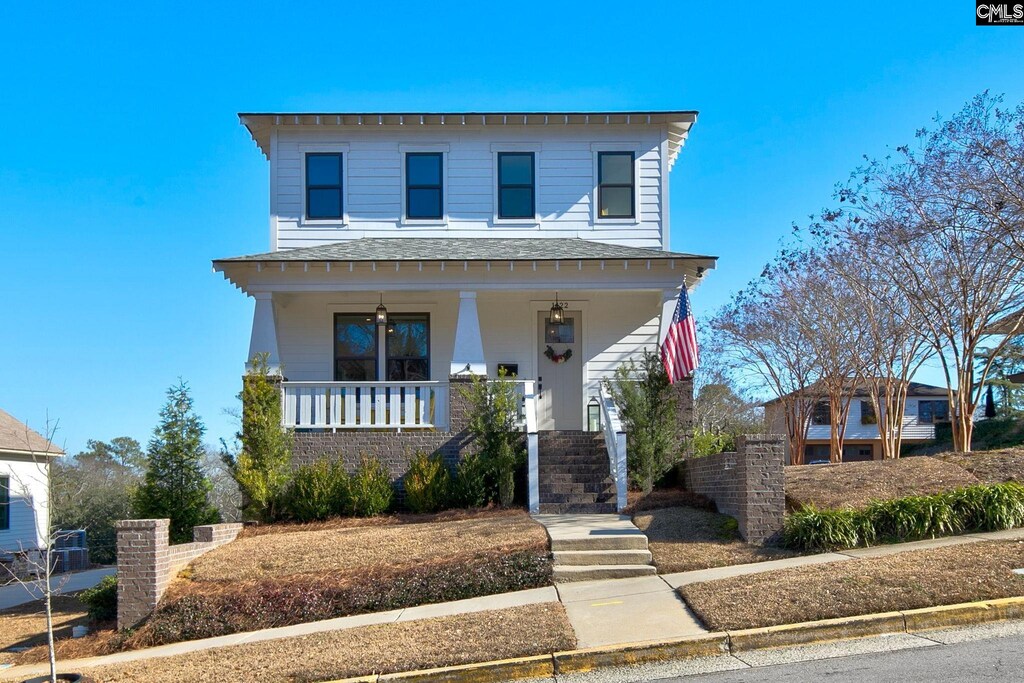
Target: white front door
[(560, 379)]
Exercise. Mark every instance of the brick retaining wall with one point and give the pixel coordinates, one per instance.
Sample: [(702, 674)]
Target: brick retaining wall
[(146, 562), (748, 484)]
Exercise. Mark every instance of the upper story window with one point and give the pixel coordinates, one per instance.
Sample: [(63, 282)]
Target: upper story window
[(867, 413), (516, 187), (930, 412), (616, 185), (5, 503), (424, 188), (323, 186), (821, 414)]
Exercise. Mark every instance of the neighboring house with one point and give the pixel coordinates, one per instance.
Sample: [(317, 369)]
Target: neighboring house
[(926, 405), (25, 458), (408, 252)]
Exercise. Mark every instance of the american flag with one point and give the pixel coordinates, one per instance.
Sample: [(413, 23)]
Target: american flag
[(679, 353)]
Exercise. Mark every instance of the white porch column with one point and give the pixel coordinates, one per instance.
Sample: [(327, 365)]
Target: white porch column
[(468, 356), (264, 333), (669, 297)]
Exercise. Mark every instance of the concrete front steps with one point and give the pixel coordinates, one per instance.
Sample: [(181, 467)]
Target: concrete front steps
[(591, 547)]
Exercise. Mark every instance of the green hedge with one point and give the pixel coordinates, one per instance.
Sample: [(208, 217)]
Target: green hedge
[(974, 508)]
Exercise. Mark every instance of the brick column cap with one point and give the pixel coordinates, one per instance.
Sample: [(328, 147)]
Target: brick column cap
[(142, 524)]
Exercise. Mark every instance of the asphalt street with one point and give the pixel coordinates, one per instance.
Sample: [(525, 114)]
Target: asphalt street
[(992, 652)]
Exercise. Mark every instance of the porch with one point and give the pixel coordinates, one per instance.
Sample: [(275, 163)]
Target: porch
[(371, 336)]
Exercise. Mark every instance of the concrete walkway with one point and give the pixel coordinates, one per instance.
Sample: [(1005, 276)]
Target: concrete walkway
[(20, 593), (606, 612), (535, 596)]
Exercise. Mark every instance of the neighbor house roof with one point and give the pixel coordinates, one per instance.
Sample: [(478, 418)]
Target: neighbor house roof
[(677, 123), (465, 249), (16, 437), (914, 389), (1007, 323)]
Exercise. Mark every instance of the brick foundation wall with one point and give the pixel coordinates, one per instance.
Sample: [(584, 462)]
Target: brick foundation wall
[(146, 562), (394, 449), (748, 484)]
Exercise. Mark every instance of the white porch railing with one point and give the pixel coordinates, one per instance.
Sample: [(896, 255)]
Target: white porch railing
[(615, 442), (532, 445), (365, 405)]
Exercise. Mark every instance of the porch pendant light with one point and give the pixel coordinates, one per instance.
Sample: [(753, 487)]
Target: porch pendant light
[(382, 312), (557, 313)]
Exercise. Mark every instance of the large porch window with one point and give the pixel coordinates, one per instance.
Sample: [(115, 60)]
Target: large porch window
[(360, 344)]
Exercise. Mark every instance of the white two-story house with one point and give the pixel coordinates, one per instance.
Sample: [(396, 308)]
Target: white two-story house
[(409, 251)]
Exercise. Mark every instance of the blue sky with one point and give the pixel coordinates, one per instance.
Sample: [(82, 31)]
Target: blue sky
[(124, 171)]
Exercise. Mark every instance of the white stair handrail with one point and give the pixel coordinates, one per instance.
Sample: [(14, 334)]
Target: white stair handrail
[(615, 442)]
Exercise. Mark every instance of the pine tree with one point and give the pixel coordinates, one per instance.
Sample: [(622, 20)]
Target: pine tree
[(175, 485)]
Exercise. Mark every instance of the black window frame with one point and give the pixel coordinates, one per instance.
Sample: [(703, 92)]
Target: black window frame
[(601, 185), (387, 345), (821, 413), (376, 346), (867, 410), (340, 187), (439, 187), (531, 186), (5, 503), (932, 418)]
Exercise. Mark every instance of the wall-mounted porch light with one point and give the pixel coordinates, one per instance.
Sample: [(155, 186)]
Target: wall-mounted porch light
[(382, 312), (557, 313)]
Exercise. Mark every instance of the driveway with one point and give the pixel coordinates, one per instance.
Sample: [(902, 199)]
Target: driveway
[(19, 593)]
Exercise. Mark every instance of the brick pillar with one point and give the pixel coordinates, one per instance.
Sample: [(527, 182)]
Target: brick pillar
[(458, 404), (142, 568), (760, 471)]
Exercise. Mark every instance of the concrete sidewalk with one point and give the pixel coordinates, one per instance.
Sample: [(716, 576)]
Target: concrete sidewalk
[(684, 578), (489, 602), (20, 593)]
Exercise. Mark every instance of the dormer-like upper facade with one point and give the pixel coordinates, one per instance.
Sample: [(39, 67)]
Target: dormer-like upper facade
[(597, 176)]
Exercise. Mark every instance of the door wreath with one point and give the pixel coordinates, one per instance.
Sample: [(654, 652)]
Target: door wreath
[(558, 357)]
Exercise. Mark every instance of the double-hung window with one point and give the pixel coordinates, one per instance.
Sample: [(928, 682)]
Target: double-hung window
[(516, 189), (5, 503), (324, 186), (424, 185), (408, 347), (930, 412), (355, 347), (616, 185)]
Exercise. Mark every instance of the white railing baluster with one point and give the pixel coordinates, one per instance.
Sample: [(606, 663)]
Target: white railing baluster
[(615, 441), (364, 405), (365, 411), (395, 410)]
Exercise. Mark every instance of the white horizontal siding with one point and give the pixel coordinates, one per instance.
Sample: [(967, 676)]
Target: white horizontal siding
[(29, 505), (565, 183), (912, 427)]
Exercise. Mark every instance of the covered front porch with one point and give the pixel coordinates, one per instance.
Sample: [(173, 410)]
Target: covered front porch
[(376, 345)]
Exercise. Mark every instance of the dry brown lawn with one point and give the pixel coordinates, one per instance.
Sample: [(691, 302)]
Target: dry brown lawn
[(25, 626), (684, 538), (923, 578), (341, 548), (384, 648), (855, 484), (990, 467)]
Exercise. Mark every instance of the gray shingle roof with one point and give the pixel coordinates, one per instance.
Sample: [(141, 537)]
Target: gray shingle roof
[(16, 436), (464, 249)]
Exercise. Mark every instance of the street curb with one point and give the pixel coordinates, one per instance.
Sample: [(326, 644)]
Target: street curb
[(714, 644)]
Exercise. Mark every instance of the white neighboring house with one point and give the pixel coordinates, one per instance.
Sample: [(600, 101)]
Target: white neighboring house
[(926, 405), (535, 242), (25, 457)]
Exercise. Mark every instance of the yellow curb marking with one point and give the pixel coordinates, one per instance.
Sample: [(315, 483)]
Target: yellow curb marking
[(605, 604)]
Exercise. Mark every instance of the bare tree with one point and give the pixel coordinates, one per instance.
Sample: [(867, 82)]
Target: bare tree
[(757, 334), (36, 574), (948, 243)]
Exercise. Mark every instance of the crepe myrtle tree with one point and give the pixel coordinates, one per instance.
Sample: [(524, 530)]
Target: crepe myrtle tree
[(36, 565), (947, 241), (760, 340)]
